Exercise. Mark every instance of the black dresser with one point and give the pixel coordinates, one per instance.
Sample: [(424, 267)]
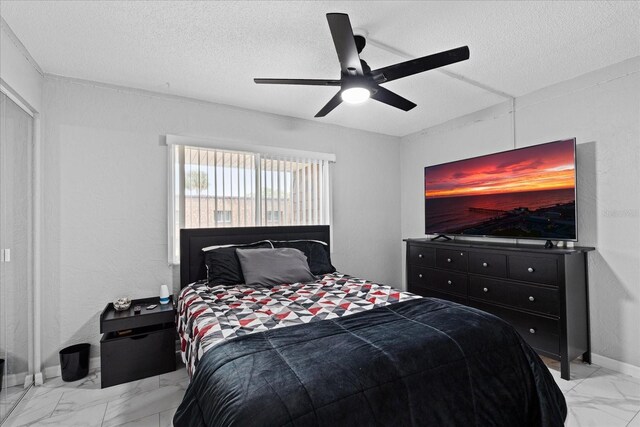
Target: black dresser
[(542, 292)]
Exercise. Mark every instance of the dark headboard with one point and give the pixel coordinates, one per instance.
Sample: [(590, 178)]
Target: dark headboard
[(192, 240)]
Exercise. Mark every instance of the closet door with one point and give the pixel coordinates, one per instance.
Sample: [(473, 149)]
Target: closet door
[(16, 142)]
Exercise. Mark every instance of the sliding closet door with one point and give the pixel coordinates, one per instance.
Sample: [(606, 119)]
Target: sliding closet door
[(15, 249)]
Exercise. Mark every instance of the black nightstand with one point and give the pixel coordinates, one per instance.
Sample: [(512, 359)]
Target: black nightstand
[(136, 346)]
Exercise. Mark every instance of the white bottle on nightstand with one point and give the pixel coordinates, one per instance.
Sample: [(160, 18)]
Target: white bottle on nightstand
[(164, 294)]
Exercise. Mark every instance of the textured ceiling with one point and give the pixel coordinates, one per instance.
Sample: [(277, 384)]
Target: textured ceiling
[(213, 50)]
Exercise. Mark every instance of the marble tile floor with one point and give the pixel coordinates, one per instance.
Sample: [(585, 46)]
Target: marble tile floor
[(148, 402), (598, 397), (9, 396), (595, 396)]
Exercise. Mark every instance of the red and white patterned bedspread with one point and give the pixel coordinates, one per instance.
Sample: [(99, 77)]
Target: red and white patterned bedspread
[(210, 315)]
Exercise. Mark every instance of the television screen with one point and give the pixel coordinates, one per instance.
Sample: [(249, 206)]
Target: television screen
[(525, 193)]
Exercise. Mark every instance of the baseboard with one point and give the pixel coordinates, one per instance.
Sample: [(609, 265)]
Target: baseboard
[(616, 365), (13, 380), (55, 371), (28, 381)]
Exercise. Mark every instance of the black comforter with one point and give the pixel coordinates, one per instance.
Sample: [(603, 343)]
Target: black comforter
[(423, 362)]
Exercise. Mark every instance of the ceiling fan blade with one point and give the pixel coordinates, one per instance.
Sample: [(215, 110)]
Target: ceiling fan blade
[(387, 97), (415, 66), (333, 103), (308, 82), (342, 34)]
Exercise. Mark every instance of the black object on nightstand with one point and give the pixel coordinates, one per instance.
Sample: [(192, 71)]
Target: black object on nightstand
[(136, 346)]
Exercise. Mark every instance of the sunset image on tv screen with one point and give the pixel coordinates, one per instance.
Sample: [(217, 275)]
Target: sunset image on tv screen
[(529, 192)]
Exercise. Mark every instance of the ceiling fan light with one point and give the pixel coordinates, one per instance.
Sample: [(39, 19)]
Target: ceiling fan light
[(355, 95)]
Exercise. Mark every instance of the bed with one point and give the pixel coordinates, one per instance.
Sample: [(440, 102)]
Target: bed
[(340, 350)]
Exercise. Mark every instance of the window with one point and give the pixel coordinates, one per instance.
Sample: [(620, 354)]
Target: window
[(220, 187), (222, 217), (273, 217)]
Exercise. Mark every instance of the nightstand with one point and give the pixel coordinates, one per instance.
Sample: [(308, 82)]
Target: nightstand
[(136, 346)]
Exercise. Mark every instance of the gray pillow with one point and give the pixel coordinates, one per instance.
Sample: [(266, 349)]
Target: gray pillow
[(271, 267)]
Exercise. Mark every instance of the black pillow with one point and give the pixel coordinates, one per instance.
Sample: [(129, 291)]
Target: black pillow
[(223, 266), (317, 254)]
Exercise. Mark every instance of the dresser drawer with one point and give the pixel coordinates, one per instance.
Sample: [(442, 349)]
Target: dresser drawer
[(427, 292), (451, 259), (540, 332), (532, 269), (147, 352), (439, 280), (520, 295), (421, 256), (488, 264)]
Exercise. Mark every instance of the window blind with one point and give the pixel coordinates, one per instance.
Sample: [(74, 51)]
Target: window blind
[(212, 187)]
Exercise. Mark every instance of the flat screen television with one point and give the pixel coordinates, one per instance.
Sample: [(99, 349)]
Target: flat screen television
[(527, 193)]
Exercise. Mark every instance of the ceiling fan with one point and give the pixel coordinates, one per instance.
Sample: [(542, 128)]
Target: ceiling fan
[(357, 81)]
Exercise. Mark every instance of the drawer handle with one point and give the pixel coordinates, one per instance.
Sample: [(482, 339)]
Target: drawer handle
[(461, 253), (449, 282), (532, 299), (484, 264), (530, 269), (485, 289), (420, 255), (532, 331), (420, 275), (448, 259)]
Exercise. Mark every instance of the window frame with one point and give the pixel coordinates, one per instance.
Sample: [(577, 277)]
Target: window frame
[(176, 197)]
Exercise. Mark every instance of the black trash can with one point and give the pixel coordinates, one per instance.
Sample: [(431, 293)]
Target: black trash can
[(1, 372), (74, 362)]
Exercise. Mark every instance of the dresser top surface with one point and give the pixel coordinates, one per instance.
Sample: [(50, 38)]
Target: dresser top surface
[(515, 247)]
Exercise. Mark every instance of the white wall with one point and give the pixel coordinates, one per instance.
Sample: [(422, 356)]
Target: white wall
[(105, 201), (16, 70), (602, 110)]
